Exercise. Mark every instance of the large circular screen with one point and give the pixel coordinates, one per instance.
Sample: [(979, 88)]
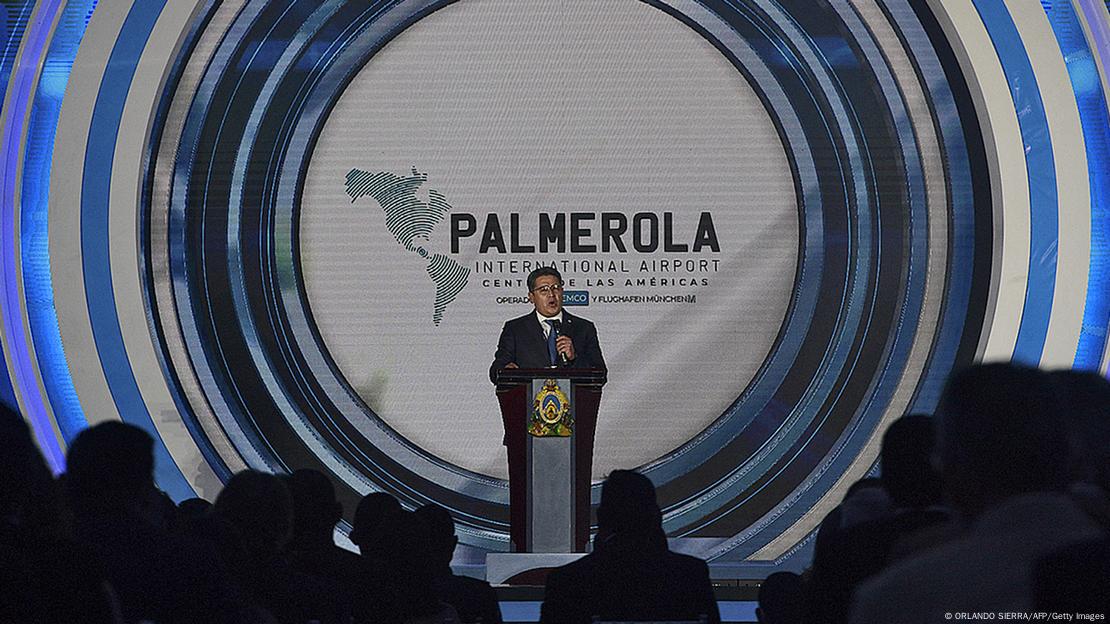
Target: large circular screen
[(606, 139)]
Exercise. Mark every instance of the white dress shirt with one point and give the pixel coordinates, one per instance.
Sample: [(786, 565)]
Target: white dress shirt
[(543, 321)]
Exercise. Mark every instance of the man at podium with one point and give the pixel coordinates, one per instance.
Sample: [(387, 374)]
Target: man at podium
[(548, 336)]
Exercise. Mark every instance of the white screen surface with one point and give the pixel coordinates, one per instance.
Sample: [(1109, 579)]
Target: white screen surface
[(548, 108)]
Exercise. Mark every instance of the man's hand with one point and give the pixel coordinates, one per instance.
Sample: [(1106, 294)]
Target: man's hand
[(511, 365), (564, 345)]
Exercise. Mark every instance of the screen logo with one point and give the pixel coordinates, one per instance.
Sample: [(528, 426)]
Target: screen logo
[(576, 297)]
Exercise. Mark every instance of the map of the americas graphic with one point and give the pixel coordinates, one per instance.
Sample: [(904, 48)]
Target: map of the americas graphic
[(412, 221)]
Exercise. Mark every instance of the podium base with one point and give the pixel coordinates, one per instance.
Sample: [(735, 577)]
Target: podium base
[(524, 568)]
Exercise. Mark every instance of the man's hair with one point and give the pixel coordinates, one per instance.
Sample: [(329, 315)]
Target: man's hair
[(441, 531), (997, 435), (781, 597), (628, 503), (259, 505), (371, 511), (907, 453), (314, 502), (110, 463), (540, 272)]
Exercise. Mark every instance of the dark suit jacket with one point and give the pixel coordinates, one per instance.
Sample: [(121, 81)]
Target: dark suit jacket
[(474, 600), (630, 581), (522, 341)]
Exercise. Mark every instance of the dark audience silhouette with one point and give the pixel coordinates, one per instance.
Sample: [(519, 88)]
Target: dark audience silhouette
[(119, 515), (1003, 458), (192, 510), (1083, 399), (999, 503), (631, 575), (473, 600), (853, 544), (259, 507), (780, 599), (1074, 579), (906, 457), (399, 551), (44, 576), (866, 501), (312, 549), (371, 511)]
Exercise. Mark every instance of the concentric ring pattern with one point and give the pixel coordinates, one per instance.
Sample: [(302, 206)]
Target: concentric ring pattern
[(949, 161)]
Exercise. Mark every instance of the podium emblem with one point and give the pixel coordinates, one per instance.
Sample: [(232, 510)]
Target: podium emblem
[(551, 412)]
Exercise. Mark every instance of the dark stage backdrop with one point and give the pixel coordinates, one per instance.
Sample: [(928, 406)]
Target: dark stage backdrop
[(284, 235)]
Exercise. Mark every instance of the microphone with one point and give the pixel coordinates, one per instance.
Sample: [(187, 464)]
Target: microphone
[(558, 330)]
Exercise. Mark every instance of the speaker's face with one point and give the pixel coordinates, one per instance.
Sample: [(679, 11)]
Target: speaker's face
[(547, 295)]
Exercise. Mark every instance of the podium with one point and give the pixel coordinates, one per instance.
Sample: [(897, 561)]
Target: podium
[(550, 455)]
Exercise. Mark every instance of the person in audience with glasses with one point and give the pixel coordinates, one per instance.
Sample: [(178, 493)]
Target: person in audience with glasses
[(548, 336)]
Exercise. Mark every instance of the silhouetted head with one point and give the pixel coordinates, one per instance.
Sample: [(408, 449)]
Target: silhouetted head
[(441, 532), (780, 599), (1085, 405), (866, 483), (110, 465), (865, 500), (164, 511), (997, 436), (402, 548), (26, 484), (260, 507), (628, 504), (908, 474), (315, 509), (192, 510), (371, 511), (405, 539)]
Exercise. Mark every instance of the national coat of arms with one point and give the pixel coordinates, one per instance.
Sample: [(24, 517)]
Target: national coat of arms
[(551, 412)]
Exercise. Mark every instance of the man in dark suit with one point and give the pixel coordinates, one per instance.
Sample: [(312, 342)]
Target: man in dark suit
[(474, 600), (549, 335), (631, 575)]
